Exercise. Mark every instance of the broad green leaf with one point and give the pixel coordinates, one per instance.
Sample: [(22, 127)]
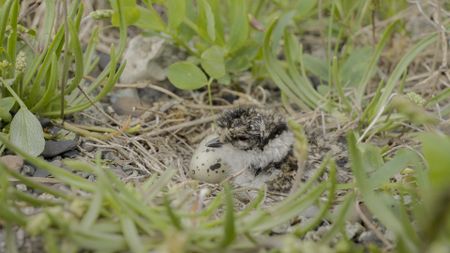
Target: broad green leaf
[(245, 56), (372, 157), (5, 115), (213, 62), (149, 20), (5, 106), (225, 80), (317, 66), (176, 11), (186, 76), (355, 66), (436, 151), (26, 132), (129, 10), (305, 8)]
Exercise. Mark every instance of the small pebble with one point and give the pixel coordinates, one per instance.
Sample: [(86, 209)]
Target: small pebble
[(21, 187), (54, 148), (88, 146), (28, 170), (367, 237), (13, 162)]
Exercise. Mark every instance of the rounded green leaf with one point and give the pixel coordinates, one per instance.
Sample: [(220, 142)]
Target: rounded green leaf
[(185, 75), (5, 105), (26, 132), (130, 11), (213, 62)]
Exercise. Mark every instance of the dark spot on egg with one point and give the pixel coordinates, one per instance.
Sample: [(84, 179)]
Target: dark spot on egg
[(207, 150), (215, 166), (217, 172), (203, 164), (219, 160), (223, 171)]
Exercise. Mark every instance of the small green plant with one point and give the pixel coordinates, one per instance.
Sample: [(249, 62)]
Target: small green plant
[(45, 75), (222, 37), (345, 75), (413, 206)]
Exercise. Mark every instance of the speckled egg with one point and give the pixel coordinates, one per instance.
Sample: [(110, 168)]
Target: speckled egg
[(207, 164)]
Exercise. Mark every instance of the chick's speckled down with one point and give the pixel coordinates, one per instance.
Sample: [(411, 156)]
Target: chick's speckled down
[(252, 147)]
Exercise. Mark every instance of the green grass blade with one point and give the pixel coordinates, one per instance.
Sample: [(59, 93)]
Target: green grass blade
[(239, 28), (89, 61), (293, 51), (400, 69), (361, 88), (172, 215), (332, 182), (63, 175), (4, 15), (376, 203), (394, 166), (10, 239), (93, 210), (341, 217), (12, 39), (30, 183), (45, 36), (131, 235), (50, 87), (54, 48), (78, 57), (278, 74), (229, 233)]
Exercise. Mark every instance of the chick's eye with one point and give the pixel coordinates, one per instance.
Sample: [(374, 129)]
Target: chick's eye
[(242, 138)]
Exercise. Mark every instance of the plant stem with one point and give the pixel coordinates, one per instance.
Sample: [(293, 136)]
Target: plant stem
[(66, 60), (13, 93), (210, 95)]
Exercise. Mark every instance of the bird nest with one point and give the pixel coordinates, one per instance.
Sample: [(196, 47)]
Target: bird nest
[(164, 133)]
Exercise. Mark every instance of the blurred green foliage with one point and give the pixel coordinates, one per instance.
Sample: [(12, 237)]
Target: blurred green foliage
[(43, 75), (405, 189)]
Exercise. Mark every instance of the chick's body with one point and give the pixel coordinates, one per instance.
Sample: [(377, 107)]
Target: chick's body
[(253, 147)]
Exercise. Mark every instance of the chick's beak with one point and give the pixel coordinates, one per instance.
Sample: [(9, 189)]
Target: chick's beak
[(214, 143)]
